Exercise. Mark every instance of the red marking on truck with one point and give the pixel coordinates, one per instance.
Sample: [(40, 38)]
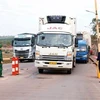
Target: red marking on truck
[(55, 28)]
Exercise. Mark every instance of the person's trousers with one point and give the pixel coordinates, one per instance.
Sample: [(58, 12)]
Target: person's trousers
[(1, 69)]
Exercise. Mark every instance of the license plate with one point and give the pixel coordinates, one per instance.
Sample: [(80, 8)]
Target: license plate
[(21, 57), (53, 63)]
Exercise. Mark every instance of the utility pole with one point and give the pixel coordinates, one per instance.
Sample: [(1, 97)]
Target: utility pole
[(98, 40)]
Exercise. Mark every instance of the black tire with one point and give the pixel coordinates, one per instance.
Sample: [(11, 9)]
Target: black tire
[(20, 61), (69, 71), (86, 61), (40, 71), (32, 60)]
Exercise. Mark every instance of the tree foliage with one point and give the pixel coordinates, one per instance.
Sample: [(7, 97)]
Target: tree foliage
[(6, 40), (93, 23)]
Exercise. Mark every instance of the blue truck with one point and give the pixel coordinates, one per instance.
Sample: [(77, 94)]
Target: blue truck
[(82, 51)]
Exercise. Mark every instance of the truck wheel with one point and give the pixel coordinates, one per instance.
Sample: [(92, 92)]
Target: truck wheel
[(21, 60), (69, 71), (32, 60), (86, 61), (40, 70)]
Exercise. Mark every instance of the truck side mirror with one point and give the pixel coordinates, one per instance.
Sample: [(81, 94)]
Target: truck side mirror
[(76, 42)]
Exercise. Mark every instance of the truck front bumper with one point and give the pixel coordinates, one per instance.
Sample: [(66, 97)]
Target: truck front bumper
[(53, 64), (81, 58)]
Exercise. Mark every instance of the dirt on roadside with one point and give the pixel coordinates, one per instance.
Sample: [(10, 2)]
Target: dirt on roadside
[(7, 54)]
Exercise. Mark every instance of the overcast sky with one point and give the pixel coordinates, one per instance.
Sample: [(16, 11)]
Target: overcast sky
[(18, 16)]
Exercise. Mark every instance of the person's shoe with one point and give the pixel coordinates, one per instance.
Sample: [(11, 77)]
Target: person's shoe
[(1, 76)]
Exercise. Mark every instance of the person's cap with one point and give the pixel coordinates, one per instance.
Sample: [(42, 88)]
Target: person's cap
[(0, 45)]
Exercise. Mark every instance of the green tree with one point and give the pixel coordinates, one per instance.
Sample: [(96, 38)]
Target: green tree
[(93, 23)]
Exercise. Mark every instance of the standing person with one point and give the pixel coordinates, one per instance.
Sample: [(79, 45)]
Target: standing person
[(1, 61)]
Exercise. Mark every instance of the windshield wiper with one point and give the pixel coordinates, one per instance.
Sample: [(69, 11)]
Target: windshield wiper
[(61, 45), (18, 45), (45, 45)]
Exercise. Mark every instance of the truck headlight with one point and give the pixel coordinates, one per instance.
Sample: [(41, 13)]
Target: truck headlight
[(37, 54), (85, 56), (83, 49), (69, 56), (77, 49)]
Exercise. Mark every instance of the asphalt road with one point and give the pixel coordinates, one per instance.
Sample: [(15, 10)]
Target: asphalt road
[(82, 84)]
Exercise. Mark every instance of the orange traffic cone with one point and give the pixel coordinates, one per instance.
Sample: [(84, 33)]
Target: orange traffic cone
[(17, 65), (13, 66)]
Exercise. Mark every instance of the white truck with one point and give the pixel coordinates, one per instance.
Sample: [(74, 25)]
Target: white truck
[(24, 46), (55, 45)]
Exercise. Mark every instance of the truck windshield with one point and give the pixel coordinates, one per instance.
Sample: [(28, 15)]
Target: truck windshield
[(82, 48), (54, 39), (22, 42)]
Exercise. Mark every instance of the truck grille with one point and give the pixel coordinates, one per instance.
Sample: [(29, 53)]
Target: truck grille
[(52, 57), (22, 53)]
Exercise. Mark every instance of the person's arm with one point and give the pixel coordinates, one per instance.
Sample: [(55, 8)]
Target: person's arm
[(1, 56)]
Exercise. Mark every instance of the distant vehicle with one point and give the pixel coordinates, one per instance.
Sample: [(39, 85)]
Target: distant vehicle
[(83, 36), (79, 36), (55, 45), (82, 51), (24, 46)]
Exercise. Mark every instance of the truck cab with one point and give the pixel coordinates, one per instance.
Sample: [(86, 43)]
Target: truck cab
[(82, 53), (24, 46)]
